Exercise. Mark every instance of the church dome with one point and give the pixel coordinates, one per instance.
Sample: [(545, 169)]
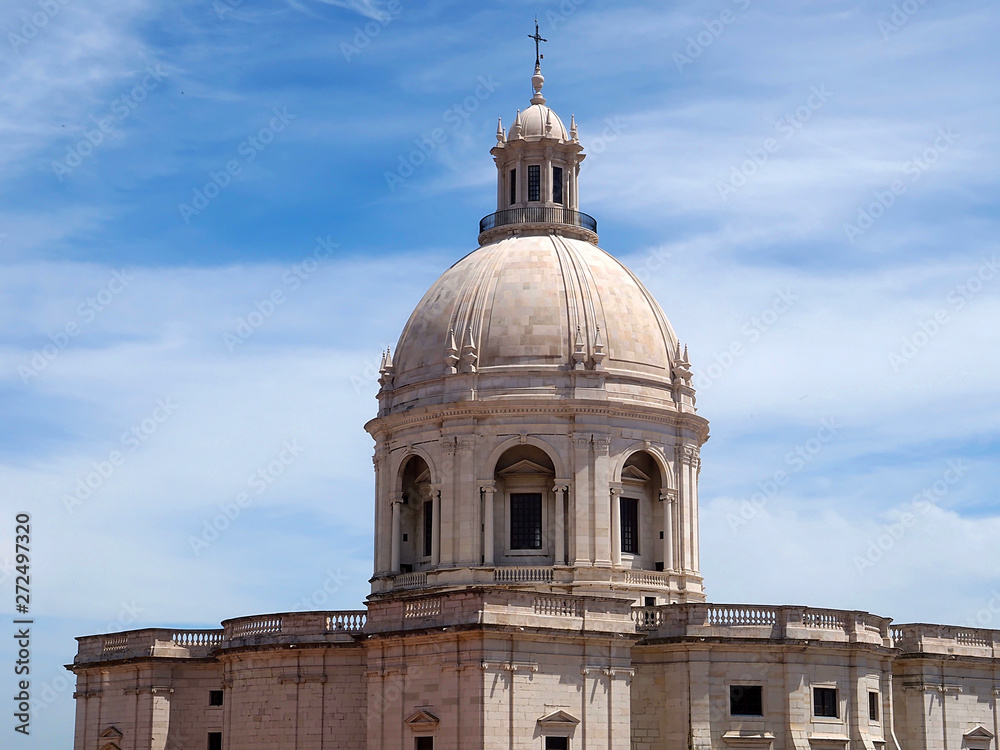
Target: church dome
[(545, 301), (538, 120)]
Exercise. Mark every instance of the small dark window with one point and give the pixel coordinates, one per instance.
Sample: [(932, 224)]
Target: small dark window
[(215, 741), (534, 182), (746, 700), (557, 185), (405, 568), (406, 537), (424, 743), (215, 697), (658, 567), (526, 520), (650, 601), (661, 535), (557, 743), (825, 702), (873, 706), (630, 525), (513, 186), (428, 527)]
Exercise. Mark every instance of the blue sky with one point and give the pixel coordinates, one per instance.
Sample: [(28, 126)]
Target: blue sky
[(809, 189)]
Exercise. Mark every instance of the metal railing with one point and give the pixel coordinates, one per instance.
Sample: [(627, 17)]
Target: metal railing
[(538, 215)]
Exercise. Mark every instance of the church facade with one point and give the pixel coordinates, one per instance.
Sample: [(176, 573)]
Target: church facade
[(536, 566)]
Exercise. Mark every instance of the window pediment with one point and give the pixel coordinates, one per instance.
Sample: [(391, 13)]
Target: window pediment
[(422, 721), (525, 466), (111, 733), (558, 720)]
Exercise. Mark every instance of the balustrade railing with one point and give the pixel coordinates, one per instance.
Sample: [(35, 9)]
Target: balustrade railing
[(409, 581), (252, 626), (346, 622), (190, 638), (538, 215), (558, 606), (522, 575), (422, 608), (737, 616)]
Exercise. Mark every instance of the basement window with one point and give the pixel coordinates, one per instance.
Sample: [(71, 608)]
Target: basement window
[(746, 700), (825, 702)]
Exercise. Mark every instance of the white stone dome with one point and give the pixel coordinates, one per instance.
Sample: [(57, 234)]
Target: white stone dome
[(534, 121), (537, 302)]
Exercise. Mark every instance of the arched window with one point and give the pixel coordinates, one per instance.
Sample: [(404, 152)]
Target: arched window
[(640, 513), (417, 526), (524, 518)]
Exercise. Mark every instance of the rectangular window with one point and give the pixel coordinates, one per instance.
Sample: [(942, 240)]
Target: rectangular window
[(526, 520), (825, 702), (215, 697), (557, 185), (534, 183), (513, 186), (215, 741), (630, 525), (557, 743), (428, 527), (424, 743), (873, 706), (746, 700), (658, 567)]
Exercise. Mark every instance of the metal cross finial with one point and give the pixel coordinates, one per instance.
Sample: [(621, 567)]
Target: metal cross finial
[(537, 39)]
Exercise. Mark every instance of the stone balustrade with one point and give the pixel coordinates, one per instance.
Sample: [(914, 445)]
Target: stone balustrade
[(296, 627), (946, 640), (771, 622)]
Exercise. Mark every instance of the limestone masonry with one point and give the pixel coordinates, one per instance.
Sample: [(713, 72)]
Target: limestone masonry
[(536, 576)]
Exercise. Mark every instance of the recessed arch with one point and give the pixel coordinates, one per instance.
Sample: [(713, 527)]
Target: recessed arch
[(666, 474), (400, 466), (549, 450)]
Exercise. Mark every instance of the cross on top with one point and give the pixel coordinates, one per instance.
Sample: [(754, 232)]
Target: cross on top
[(537, 39)]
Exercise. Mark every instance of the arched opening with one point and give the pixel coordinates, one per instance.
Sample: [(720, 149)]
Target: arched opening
[(641, 513), (524, 512), (417, 517)]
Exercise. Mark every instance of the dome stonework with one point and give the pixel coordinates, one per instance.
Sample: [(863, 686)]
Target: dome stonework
[(527, 302)]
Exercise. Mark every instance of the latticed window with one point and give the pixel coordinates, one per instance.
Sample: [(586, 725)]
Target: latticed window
[(513, 186), (526, 520), (557, 185), (428, 527), (630, 525), (534, 182)]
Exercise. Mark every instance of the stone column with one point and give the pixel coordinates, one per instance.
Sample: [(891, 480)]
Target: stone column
[(547, 178), (488, 488), (395, 500), (519, 180), (447, 506), (616, 526), (599, 501), (467, 527), (583, 532), (560, 491), (668, 497)]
